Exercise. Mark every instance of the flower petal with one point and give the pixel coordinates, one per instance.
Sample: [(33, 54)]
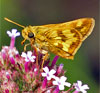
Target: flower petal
[(79, 83), (63, 78), (55, 83), (32, 60), (17, 34), (44, 74), (24, 54), (49, 78), (84, 91), (29, 53), (14, 31), (67, 84), (85, 87), (33, 57), (46, 69), (61, 87), (26, 59), (9, 33), (52, 72)]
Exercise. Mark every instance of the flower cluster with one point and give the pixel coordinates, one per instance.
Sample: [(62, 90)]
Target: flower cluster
[(27, 73)]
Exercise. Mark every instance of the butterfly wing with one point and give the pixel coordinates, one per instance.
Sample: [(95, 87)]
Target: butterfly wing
[(84, 26), (65, 42), (64, 39)]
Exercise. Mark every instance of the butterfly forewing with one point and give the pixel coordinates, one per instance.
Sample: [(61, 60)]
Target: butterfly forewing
[(64, 39)]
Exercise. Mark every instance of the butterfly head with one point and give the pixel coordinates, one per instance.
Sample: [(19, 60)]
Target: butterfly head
[(28, 33)]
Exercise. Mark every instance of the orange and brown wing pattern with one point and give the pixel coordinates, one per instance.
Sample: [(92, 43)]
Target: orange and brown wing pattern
[(65, 43), (65, 39), (83, 25)]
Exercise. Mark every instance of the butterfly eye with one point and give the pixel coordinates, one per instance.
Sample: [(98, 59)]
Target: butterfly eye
[(30, 35)]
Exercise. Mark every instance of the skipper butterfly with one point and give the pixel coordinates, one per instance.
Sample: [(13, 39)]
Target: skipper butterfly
[(63, 39)]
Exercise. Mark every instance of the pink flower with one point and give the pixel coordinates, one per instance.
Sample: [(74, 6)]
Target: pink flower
[(13, 34)]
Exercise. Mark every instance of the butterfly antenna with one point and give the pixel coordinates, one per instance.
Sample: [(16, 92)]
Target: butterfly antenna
[(14, 22)]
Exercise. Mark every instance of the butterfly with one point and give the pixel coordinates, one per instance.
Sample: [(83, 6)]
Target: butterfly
[(63, 39)]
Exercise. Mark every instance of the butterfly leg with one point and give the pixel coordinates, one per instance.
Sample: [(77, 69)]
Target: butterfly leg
[(26, 46), (36, 53), (23, 42), (45, 57)]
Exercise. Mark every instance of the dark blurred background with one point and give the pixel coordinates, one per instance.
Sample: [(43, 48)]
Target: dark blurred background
[(85, 65)]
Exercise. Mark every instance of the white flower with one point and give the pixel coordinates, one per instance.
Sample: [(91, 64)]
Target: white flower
[(28, 57), (48, 74), (79, 87), (61, 82), (13, 33)]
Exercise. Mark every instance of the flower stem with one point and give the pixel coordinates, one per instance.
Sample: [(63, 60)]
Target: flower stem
[(56, 90), (12, 43), (54, 61), (44, 83)]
